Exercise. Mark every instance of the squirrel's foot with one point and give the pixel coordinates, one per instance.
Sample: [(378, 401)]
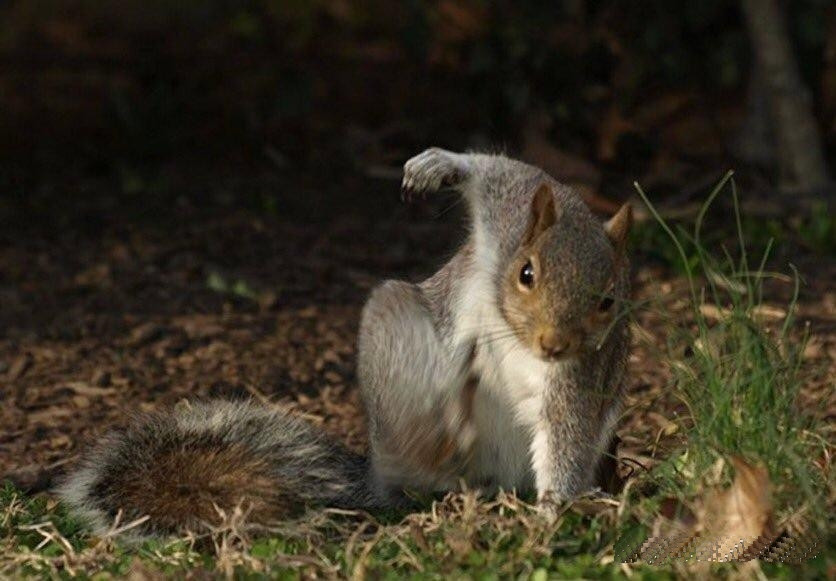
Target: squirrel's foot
[(550, 507), (433, 170)]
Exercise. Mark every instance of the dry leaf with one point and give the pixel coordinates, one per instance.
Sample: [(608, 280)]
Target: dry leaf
[(738, 516), (85, 389), (667, 426), (20, 366), (733, 524), (714, 312), (768, 312)]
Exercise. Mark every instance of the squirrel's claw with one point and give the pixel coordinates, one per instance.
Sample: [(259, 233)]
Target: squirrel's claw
[(432, 170), (409, 193)]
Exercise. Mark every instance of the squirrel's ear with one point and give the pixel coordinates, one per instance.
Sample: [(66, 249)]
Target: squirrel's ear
[(618, 227), (543, 213)]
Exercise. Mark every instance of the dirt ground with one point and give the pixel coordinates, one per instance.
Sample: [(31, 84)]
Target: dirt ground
[(105, 315)]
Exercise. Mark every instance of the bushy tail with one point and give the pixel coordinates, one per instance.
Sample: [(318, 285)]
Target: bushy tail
[(179, 467)]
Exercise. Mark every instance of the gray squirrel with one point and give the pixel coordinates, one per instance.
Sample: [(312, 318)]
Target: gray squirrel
[(505, 369)]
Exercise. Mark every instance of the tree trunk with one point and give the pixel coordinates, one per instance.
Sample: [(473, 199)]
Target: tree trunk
[(755, 142), (800, 157)]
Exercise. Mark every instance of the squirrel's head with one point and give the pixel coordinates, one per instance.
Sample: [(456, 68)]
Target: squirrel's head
[(565, 283)]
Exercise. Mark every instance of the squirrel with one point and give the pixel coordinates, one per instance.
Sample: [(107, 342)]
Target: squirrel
[(505, 369)]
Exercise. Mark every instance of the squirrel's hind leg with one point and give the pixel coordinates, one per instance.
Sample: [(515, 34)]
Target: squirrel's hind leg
[(418, 393)]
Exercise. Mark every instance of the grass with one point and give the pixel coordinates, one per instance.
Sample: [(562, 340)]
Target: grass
[(741, 377), (461, 536), (734, 374)]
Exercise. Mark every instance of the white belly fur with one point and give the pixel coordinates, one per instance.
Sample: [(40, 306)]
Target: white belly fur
[(508, 399)]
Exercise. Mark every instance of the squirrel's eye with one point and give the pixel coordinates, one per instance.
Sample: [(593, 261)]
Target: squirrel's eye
[(527, 275), (605, 304)]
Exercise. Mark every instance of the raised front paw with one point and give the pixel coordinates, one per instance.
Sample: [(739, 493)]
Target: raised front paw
[(433, 170)]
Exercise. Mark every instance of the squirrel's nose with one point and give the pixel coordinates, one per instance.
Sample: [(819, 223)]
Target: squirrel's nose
[(553, 344)]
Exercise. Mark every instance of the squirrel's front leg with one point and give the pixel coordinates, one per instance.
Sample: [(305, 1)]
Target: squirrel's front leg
[(435, 169), (564, 447)]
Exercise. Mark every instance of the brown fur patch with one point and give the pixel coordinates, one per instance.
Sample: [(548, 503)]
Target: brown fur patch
[(429, 445), (423, 445), (182, 487)]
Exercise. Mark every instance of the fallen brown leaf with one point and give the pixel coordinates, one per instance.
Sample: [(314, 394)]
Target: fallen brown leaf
[(738, 516)]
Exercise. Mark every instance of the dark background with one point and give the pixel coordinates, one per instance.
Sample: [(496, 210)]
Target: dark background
[(197, 196), (298, 109)]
